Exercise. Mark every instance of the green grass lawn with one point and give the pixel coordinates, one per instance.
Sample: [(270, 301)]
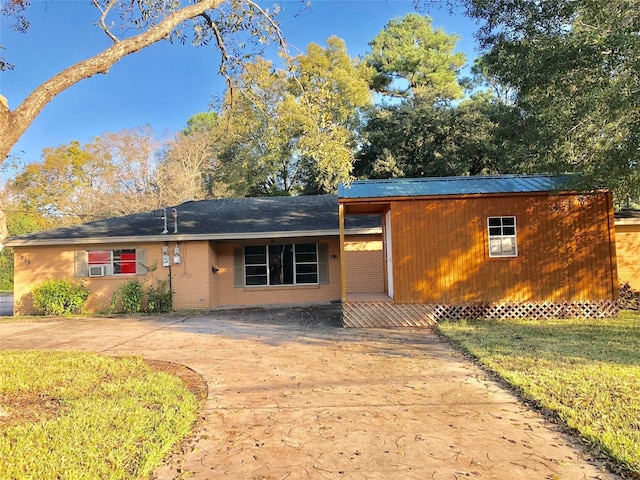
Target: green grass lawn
[(585, 371), (72, 415)]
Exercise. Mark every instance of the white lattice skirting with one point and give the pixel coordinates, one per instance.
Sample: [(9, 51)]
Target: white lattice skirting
[(387, 314)]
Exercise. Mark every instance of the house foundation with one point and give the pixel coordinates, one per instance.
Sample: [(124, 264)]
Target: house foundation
[(381, 314)]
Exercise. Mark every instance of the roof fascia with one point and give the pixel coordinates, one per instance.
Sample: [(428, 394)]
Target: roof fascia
[(626, 221), (183, 238), (461, 195)]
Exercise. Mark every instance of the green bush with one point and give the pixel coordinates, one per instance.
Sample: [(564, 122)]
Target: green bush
[(131, 293), (132, 297), (160, 298), (59, 297), (6, 270)]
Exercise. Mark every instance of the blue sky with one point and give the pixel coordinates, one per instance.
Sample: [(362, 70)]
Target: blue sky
[(165, 84)]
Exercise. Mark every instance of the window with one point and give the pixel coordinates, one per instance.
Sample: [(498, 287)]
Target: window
[(502, 237), (281, 264), (111, 262)]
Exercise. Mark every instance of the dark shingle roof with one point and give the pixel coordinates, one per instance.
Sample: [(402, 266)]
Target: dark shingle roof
[(433, 186), (627, 217), (226, 218)]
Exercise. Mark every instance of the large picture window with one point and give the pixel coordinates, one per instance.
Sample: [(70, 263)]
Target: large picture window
[(502, 237), (281, 264), (111, 262)]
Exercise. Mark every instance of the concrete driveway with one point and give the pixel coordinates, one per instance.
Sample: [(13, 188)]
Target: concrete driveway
[(292, 396)]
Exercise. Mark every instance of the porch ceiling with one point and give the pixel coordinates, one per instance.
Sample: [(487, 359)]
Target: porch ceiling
[(365, 208)]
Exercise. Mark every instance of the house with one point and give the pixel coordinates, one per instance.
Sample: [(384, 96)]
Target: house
[(627, 224), (215, 253), (493, 246), (394, 252)]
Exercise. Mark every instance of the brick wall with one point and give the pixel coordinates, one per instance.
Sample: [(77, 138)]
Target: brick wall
[(195, 284), (365, 263), (190, 279), (282, 294), (628, 254)]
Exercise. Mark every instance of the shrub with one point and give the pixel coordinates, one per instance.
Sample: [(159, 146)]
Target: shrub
[(160, 298), (59, 297), (6, 270), (131, 293), (628, 297)]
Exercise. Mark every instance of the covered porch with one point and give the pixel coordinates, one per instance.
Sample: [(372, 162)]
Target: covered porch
[(368, 290)]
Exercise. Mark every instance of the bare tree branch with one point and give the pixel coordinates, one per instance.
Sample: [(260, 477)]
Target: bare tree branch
[(274, 25), (103, 18)]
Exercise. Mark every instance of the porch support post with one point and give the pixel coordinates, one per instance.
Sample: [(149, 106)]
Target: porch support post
[(343, 263)]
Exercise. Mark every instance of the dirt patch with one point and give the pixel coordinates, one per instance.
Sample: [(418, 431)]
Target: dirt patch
[(329, 315), (23, 409), (192, 380)]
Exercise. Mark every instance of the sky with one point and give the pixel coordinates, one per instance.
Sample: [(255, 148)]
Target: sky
[(164, 84)]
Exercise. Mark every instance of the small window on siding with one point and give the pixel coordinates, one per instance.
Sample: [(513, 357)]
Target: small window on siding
[(502, 237)]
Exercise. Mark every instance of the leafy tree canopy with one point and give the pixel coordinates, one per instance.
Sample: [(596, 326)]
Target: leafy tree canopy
[(293, 131), (417, 138), (409, 56), (114, 174), (575, 66)]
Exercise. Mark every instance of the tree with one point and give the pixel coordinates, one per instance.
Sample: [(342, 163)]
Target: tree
[(190, 164), (134, 158), (293, 131), (575, 67), (219, 21), (156, 20), (490, 84), (115, 174), (57, 187), (408, 55), (418, 138)]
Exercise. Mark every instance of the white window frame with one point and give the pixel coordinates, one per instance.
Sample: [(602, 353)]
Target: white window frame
[(502, 238), (266, 265)]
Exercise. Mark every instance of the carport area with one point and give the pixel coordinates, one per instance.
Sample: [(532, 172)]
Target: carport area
[(291, 395)]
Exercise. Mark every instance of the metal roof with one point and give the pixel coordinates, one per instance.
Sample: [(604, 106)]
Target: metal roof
[(472, 185), (220, 219)]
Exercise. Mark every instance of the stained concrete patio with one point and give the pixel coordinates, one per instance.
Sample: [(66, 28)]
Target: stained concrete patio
[(293, 396)]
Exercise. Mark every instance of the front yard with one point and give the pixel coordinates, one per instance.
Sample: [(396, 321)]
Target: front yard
[(586, 373), (72, 415)]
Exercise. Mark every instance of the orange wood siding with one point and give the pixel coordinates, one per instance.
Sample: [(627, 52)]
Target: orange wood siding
[(628, 251), (565, 249)]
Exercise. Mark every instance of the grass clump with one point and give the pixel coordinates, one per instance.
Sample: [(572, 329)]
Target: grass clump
[(73, 415), (585, 371)]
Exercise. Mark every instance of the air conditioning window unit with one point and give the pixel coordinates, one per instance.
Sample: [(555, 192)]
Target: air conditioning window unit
[(97, 270)]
